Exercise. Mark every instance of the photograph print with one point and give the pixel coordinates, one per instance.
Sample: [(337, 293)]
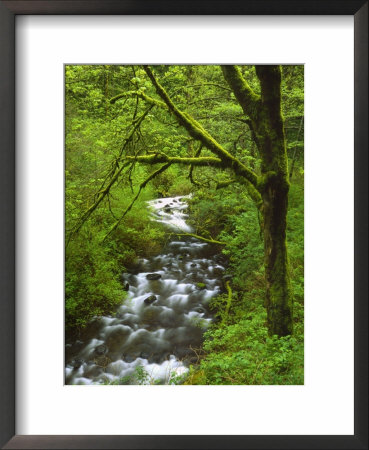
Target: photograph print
[(184, 224)]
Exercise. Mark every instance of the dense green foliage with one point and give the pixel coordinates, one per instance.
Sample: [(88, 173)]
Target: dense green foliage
[(94, 134), (237, 347)]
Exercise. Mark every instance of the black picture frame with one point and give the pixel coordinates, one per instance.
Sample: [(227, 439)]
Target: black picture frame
[(8, 11)]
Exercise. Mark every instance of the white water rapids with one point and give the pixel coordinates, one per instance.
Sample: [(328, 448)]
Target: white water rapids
[(163, 318)]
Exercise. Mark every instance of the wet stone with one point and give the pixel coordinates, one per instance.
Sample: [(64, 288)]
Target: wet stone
[(150, 299), (101, 349), (153, 276)]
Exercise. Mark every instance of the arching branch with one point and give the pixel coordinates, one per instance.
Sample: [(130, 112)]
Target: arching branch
[(246, 97), (155, 158), (196, 130), (201, 238), (208, 161), (224, 184)]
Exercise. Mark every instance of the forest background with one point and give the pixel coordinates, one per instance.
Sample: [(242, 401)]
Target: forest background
[(101, 124)]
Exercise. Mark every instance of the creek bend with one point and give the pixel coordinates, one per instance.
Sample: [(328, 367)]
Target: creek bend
[(163, 317)]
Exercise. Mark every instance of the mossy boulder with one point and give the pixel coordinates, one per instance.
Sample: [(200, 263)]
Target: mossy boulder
[(153, 276), (150, 299)]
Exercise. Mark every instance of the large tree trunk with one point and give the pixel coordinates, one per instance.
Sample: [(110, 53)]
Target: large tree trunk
[(274, 190), (267, 129), (278, 299)]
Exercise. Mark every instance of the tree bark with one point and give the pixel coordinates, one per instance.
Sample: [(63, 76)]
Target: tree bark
[(278, 298), (267, 127), (274, 191)]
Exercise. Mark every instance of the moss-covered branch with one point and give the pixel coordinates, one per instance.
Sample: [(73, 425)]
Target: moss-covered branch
[(201, 238), (246, 97), (162, 158), (196, 130), (208, 161), (224, 184)]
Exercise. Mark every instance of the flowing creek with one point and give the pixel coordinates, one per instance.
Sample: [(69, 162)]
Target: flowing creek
[(164, 316)]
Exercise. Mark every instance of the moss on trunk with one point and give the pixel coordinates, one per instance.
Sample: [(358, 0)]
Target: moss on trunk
[(267, 125), (278, 300), (274, 187)]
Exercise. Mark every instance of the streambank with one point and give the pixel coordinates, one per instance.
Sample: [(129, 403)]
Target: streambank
[(160, 325)]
